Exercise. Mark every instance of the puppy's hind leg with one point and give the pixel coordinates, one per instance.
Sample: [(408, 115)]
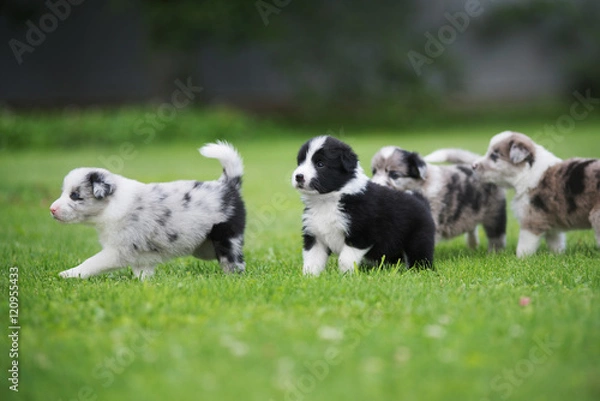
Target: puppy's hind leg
[(557, 241), (101, 262), (419, 251), (595, 220), (495, 228), (528, 243), (472, 239), (229, 252)]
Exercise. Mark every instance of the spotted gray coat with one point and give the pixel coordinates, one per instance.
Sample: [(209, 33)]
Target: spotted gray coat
[(141, 225), (459, 201)]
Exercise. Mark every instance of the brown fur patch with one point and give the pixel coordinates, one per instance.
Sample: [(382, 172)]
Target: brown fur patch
[(516, 143)]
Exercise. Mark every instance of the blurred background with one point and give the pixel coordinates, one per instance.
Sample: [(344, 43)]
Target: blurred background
[(392, 63)]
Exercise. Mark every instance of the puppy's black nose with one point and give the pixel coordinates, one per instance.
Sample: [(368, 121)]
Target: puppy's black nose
[(299, 177)]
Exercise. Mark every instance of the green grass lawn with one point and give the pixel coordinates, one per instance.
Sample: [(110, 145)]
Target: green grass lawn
[(191, 332)]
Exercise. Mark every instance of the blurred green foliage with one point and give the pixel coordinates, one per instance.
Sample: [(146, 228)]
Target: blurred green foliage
[(569, 28)]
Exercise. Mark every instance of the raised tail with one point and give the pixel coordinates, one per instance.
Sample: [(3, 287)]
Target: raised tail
[(455, 156), (233, 167)]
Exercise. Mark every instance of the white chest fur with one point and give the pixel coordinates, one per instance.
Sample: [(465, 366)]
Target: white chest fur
[(323, 219)]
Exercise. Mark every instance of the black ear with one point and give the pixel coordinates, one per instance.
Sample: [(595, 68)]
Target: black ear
[(101, 185), (417, 168), (349, 160)]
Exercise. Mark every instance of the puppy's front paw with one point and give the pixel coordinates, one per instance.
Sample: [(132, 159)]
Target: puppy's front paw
[(71, 273)]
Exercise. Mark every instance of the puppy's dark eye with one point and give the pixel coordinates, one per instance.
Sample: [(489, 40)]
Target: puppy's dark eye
[(374, 171), (319, 164), (394, 175), (495, 155), (75, 196)]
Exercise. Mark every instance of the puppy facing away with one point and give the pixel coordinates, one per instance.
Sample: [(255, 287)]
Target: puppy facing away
[(142, 225), (551, 195), (347, 214), (459, 201)]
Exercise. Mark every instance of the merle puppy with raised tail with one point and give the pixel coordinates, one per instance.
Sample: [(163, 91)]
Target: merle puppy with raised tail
[(142, 225), (347, 214)]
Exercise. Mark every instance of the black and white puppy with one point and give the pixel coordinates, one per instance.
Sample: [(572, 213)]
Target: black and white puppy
[(347, 214), (551, 195), (142, 225), (459, 200)]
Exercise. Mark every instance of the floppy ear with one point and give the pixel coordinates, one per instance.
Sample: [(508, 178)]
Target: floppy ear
[(417, 168), (101, 185), (349, 160), (519, 152)]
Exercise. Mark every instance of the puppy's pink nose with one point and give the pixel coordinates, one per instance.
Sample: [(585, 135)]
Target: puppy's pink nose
[(475, 165), (53, 209)]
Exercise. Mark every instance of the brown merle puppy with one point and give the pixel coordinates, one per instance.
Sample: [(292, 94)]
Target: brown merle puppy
[(551, 195), (459, 200)]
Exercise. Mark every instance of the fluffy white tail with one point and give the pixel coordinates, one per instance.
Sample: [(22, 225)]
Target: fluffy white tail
[(451, 156), (233, 167)]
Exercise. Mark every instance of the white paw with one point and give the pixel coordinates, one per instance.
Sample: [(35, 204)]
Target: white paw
[(311, 271), (69, 274)]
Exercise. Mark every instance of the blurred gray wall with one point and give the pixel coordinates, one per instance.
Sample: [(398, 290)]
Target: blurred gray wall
[(99, 56)]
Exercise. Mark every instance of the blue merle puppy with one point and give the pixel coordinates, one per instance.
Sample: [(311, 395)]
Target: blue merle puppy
[(142, 225), (459, 199)]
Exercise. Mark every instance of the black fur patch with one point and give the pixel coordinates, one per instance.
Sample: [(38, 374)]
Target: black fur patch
[(496, 226), (302, 153), (100, 188), (309, 241), (338, 166), (162, 220), (452, 187), (235, 182), (186, 199), (466, 169), (414, 162), (575, 182), (172, 237), (391, 223), (135, 247), (539, 203)]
